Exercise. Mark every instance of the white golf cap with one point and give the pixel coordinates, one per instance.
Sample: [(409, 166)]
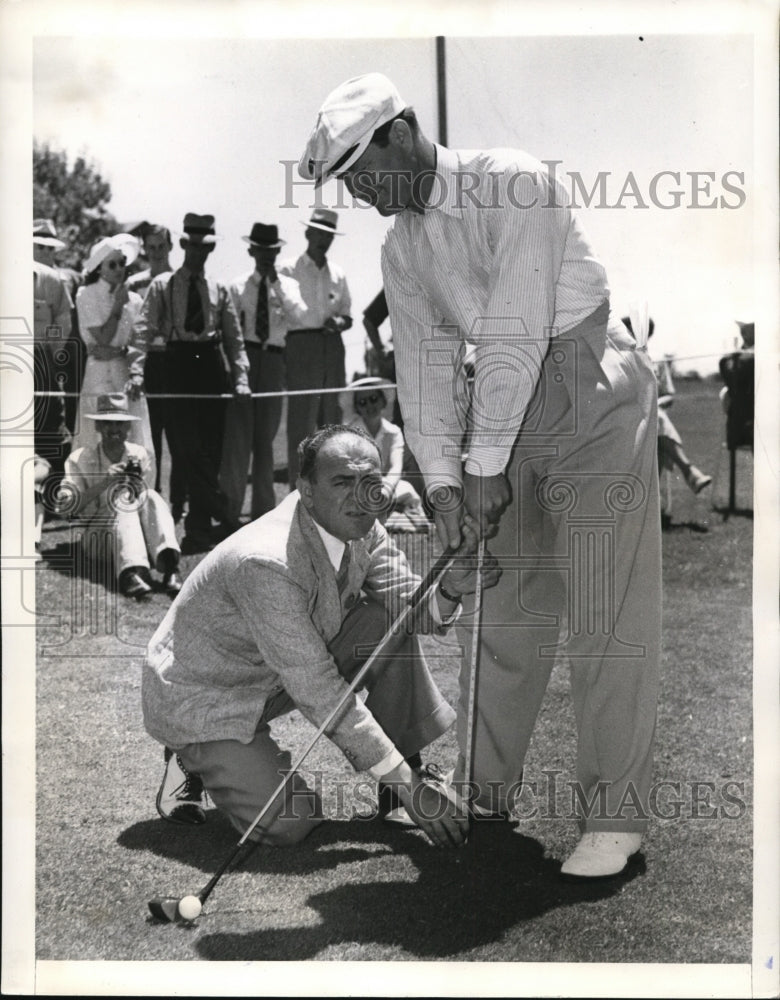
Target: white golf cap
[(346, 122)]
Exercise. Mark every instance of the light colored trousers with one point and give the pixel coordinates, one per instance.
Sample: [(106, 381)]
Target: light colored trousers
[(402, 697), (250, 429), (137, 536), (580, 548)]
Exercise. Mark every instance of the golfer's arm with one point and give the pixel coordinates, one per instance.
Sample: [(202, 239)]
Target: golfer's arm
[(276, 609)]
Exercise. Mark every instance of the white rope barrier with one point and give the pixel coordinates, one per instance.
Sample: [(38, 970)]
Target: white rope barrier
[(672, 359), (226, 395)]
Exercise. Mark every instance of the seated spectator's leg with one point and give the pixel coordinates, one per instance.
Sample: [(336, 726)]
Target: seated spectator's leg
[(241, 778), (402, 694), (158, 529), (41, 471), (98, 549), (130, 543)]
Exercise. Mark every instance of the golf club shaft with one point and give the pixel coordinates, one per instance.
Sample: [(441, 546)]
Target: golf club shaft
[(431, 579), (468, 763)]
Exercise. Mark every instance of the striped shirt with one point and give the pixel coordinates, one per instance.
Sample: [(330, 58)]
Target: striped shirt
[(497, 261)]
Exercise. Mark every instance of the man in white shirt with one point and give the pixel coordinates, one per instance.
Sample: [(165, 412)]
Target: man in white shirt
[(268, 305), (315, 352), (485, 255)]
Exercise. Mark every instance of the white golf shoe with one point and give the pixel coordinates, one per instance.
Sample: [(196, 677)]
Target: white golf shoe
[(600, 854)]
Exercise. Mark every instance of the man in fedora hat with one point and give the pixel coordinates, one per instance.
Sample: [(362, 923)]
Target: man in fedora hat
[(268, 305), (315, 351), (107, 486), (194, 317), (560, 422)]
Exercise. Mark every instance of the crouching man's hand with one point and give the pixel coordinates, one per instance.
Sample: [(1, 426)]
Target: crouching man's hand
[(434, 806)]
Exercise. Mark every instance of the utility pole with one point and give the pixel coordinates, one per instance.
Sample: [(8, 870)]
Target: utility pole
[(441, 85)]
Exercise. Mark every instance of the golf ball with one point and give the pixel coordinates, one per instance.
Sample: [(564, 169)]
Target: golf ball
[(189, 907)]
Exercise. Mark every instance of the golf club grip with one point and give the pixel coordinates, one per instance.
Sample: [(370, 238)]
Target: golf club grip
[(468, 762), (430, 580)]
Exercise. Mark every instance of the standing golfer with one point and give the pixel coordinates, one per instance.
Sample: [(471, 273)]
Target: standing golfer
[(273, 619), (561, 421)]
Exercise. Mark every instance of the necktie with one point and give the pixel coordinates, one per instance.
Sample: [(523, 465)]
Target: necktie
[(342, 577), (261, 313), (193, 321)]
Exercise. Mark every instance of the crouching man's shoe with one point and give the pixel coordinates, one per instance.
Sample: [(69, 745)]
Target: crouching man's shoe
[(600, 855), (133, 584), (181, 797)]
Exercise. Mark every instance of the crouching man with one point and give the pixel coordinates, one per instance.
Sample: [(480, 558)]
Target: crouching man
[(280, 616)]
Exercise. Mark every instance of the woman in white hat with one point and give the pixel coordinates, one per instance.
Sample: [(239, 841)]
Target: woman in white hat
[(109, 318), (364, 404)]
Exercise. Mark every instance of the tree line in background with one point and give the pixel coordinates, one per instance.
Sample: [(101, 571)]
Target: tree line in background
[(75, 197)]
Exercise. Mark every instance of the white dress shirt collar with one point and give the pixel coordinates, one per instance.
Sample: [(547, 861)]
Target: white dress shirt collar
[(333, 546), (447, 190)]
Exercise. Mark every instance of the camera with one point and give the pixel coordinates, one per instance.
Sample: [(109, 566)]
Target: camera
[(133, 468)]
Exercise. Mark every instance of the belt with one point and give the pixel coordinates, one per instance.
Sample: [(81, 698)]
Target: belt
[(308, 329), (271, 348), (192, 345)]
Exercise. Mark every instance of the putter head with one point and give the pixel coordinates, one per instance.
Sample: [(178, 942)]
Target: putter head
[(166, 910)]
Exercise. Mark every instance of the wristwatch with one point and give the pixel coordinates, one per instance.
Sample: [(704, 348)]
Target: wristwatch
[(456, 599)]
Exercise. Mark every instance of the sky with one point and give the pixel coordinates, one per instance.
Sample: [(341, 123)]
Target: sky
[(205, 125)]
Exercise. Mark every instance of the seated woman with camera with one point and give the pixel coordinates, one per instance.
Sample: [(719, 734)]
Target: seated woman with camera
[(107, 488)]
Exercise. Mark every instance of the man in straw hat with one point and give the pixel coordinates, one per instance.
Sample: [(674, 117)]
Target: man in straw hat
[(268, 305), (107, 486), (315, 351), (561, 421), (194, 317)]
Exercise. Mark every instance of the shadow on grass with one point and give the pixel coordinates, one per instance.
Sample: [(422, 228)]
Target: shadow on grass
[(461, 899), (724, 510), (669, 525)]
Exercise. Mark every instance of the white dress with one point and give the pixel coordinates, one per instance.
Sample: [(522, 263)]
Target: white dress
[(94, 303)]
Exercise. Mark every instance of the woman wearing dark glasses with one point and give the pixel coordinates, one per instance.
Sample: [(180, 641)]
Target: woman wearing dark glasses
[(109, 324)]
